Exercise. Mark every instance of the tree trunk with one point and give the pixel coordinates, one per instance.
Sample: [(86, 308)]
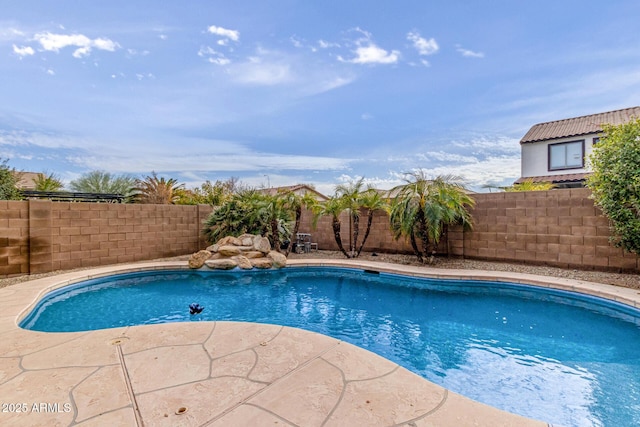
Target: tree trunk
[(414, 245), (367, 231), (356, 232), (422, 235), (336, 234), (275, 234), (296, 227)]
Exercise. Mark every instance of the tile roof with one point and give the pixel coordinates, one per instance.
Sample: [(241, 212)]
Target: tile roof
[(26, 180), (579, 125), (298, 189), (556, 179)]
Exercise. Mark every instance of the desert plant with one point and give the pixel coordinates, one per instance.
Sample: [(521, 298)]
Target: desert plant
[(49, 182), (158, 190), (236, 216), (333, 208), (372, 201), (295, 204), (424, 207), (353, 198)]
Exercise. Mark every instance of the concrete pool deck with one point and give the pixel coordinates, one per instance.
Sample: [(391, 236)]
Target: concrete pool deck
[(226, 373)]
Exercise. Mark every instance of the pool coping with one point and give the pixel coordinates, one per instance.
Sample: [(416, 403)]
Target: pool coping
[(228, 373)]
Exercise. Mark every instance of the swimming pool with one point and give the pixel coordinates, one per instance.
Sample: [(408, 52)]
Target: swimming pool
[(551, 355)]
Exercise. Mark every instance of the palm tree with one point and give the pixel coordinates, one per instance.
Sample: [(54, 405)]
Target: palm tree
[(332, 207), (295, 203), (159, 191), (371, 200), (272, 211), (232, 218), (48, 182), (423, 208), (351, 197)]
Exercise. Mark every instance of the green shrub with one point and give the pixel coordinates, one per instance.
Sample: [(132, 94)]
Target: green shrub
[(615, 182)]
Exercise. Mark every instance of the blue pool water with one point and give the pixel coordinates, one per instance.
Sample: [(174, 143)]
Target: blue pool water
[(555, 356)]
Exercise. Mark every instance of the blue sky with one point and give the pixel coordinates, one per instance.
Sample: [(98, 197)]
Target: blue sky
[(321, 92)]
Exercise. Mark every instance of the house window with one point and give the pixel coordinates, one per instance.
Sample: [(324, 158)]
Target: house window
[(596, 140), (566, 155)]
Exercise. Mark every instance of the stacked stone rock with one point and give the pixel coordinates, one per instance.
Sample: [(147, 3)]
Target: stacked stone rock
[(246, 252)]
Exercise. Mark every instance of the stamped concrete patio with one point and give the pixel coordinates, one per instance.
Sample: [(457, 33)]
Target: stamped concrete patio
[(224, 373)]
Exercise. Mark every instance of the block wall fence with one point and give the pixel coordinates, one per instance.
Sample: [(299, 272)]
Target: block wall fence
[(39, 236), (560, 228)]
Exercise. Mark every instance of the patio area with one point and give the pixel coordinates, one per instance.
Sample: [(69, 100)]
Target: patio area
[(225, 373)]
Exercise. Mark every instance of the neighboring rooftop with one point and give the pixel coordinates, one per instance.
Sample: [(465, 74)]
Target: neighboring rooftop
[(299, 189), (26, 180), (577, 126), (558, 180)]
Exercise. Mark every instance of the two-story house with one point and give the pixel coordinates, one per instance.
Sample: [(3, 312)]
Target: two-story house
[(556, 151)]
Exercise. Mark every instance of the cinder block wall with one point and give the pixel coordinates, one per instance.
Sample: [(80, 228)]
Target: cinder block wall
[(380, 238), (558, 227), (14, 238), (38, 236)]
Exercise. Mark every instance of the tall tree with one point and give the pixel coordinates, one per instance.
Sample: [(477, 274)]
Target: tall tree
[(158, 190), (615, 182), (372, 201), (8, 182), (350, 195), (212, 194), (423, 208), (104, 182), (333, 208)]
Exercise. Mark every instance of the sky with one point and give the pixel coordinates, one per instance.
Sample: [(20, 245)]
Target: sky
[(285, 92)]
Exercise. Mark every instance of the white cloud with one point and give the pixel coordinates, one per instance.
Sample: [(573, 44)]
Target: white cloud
[(9, 34), (55, 42), (322, 44), (372, 54), (490, 144), (367, 52), (422, 45), (219, 61), (242, 161), (23, 51), (469, 53), (223, 32), (213, 56), (51, 72), (296, 42)]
